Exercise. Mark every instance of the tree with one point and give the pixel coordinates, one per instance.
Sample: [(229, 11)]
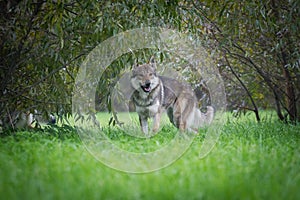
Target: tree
[(261, 38), (43, 44)]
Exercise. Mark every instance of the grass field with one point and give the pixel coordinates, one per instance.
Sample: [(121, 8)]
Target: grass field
[(250, 161)]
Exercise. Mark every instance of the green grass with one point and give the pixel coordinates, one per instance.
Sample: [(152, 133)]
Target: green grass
[(250, 161)]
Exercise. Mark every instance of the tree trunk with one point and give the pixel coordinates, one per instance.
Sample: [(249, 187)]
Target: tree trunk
[(290, 91), (278, 106), (255, 110)]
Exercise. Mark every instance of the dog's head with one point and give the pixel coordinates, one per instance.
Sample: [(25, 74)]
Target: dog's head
[(144, 77)]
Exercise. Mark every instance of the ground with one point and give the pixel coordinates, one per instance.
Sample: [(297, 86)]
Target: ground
[(249, 161)]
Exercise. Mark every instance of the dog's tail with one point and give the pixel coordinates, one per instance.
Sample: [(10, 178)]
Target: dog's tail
[(203, 119)]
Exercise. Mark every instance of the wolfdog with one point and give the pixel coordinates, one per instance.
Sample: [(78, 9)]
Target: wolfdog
[(154, 94)]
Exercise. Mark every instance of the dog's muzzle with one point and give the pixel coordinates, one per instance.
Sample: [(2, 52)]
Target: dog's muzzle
[(147, 86)]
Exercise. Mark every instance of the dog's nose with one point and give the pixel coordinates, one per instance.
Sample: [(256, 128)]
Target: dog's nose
[(147, 83)]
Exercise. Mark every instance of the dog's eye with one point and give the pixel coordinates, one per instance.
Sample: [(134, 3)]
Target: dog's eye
[(150, 74)]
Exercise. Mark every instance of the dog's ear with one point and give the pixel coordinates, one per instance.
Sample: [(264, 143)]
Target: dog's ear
[(152, 62), (135, 65)]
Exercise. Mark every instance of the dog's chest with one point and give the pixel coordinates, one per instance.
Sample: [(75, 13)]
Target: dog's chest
[(150, 110)]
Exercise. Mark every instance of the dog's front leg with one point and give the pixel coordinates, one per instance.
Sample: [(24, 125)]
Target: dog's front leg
[(144, 124), (156, 122)]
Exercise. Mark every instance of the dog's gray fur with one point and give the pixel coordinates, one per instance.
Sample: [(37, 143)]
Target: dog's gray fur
[(153, 94)]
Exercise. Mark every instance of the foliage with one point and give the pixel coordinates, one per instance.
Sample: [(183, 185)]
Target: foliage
[(260, 47), (256, 161), (43, 43)]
